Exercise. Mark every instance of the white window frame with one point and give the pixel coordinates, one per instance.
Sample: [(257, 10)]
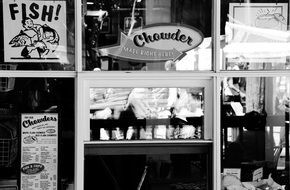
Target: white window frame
[(89, 80), (83, 79)]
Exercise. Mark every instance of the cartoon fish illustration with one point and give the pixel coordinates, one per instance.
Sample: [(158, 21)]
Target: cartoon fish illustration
[(42, 41), (279, 17), (21, 40), (270, 20)]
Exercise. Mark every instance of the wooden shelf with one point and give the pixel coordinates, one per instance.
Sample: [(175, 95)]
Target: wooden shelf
[(239, 121), (137, 147), (97, 123)]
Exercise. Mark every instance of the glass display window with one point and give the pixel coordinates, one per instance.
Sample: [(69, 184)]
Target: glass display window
[(216, 69), (164, 129), (37, 35), (254, 35), (147, 112), (150, 170), (147, 35), (255, 131), (36, 123)]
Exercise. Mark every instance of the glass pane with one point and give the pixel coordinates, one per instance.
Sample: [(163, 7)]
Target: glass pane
[(148, 171), (146, 113), (36, 123), (255, 130), (254, 35), (37, 35), (147, 35)]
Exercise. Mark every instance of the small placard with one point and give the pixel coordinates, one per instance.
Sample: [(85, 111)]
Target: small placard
[(258, 174), (233, 171), (238, 108)]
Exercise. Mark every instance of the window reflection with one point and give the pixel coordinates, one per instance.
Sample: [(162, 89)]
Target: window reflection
[(255, 127), (105, 20), (146, 113), (148, 171), (35, 96), (255, 35)]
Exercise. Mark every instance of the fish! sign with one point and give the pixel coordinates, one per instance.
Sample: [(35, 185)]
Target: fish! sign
[(34, 31), (158, 42)]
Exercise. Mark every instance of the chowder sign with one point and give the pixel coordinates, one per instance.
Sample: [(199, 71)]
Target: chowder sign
[(39, 151), (156, 43)]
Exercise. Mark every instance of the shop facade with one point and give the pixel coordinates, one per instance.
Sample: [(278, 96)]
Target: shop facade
[(144, 94)]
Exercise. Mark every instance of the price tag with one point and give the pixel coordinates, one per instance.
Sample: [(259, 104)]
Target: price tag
[(258, 174), (233, 171)]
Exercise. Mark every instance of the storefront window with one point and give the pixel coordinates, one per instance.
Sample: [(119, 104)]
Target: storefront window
[(148, 171), (154, 135), (36, 124), (255, 131), (175, 114), (147, 35), (37, 35), (254, 35), (146, 113), (149, 138)]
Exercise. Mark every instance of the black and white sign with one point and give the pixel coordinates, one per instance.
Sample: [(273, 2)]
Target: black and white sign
[(39, 147), (35, 31)]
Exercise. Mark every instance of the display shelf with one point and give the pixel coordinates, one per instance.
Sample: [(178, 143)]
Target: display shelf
[(232, 121), (142, 122), (239, 121), (195, 122), (147, 147)]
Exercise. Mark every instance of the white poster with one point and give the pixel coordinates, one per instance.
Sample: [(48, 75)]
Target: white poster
[(39, 147), (258, 15), (35, 31)]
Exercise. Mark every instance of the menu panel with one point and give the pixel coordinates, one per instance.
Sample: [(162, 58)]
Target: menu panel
[(39, 147)]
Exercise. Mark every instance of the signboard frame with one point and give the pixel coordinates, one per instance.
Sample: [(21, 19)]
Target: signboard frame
[(35, 31), (39, 132), (155, 43)]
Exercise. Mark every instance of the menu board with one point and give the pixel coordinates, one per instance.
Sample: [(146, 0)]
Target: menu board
[(39, 147)]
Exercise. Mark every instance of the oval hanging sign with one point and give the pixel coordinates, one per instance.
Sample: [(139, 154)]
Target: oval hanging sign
[(157, 42)]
